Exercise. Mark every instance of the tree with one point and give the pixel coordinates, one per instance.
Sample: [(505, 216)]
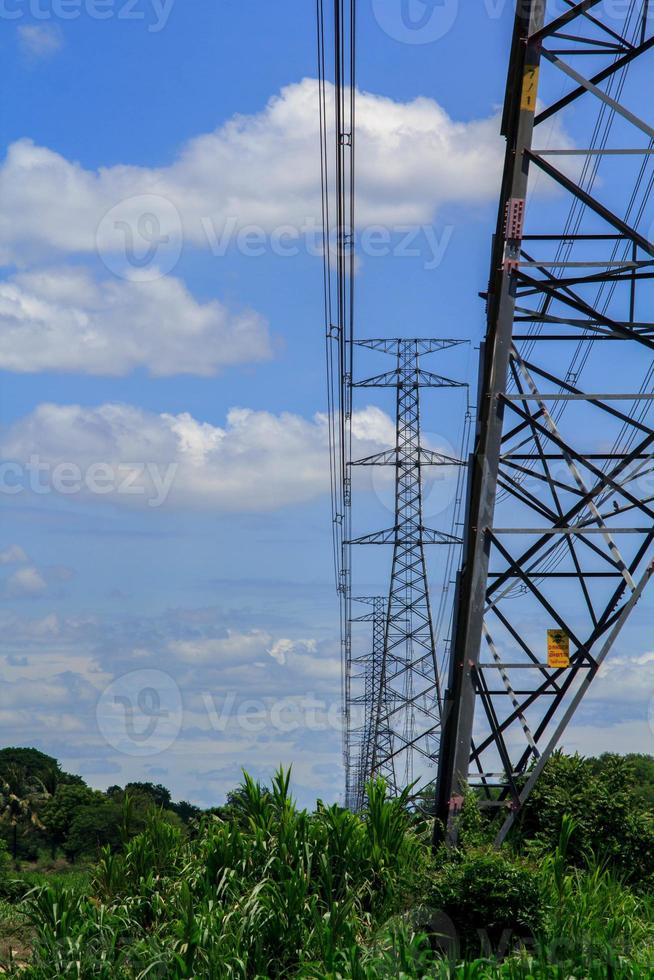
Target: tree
[(34, 768), (603, 798), (159, 795), (28, 778), (642, 768), (21, 800), (186, 811), (94, 826), (60, 810)]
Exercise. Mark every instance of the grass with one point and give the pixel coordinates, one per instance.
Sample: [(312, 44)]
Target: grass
[(17, 932), (281, 893)]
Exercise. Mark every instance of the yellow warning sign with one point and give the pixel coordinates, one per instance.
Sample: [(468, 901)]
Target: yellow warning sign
[(529, 88), (558, 649)]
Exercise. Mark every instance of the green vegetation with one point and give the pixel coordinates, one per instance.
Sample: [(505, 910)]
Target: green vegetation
[(43, 808), (260, 888)]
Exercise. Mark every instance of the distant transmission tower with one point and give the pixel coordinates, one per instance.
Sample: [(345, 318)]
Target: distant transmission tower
[(392, 707), (401, 735), (366, 675)]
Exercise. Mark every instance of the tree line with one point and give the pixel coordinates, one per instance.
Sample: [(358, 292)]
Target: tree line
[(45, 809)]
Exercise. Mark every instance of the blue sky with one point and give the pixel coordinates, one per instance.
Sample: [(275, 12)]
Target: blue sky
[(213, 364)]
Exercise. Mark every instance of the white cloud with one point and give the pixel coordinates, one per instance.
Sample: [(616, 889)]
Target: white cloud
[(256, 647), (26, 582), (30, 581), (283, 649), (13, 555), (257, 461), (627, 680), (47, 628), (281, 666), (635, 735), (39, 41), (64, 320), (233, 650), (241, 707), (261, 169)]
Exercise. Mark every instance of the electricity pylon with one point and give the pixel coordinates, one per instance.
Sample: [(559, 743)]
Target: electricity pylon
[(560, 519), (402, 740), (363, 688)]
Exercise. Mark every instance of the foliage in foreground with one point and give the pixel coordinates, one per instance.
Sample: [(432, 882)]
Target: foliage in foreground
[(264, 897), (609, 799), (274, 891)]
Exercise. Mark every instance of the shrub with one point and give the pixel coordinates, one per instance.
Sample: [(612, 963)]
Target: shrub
[(5, 865), (492, 901), (603, 798)]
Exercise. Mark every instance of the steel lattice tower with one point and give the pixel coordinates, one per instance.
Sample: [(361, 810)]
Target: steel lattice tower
[(560, 522), (404, 709), (368, 668)]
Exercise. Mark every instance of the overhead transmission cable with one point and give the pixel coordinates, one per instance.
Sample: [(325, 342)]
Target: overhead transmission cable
[(337, 170)]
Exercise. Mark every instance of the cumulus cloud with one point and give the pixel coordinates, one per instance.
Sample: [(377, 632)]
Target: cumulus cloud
[(257, 461), (258, 648), (39, 41), (26, 582), (282, 649), (30, 581), (629, 680), (232, 650), (13, 555), (260, 169), (241, 706), (65, 320)]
